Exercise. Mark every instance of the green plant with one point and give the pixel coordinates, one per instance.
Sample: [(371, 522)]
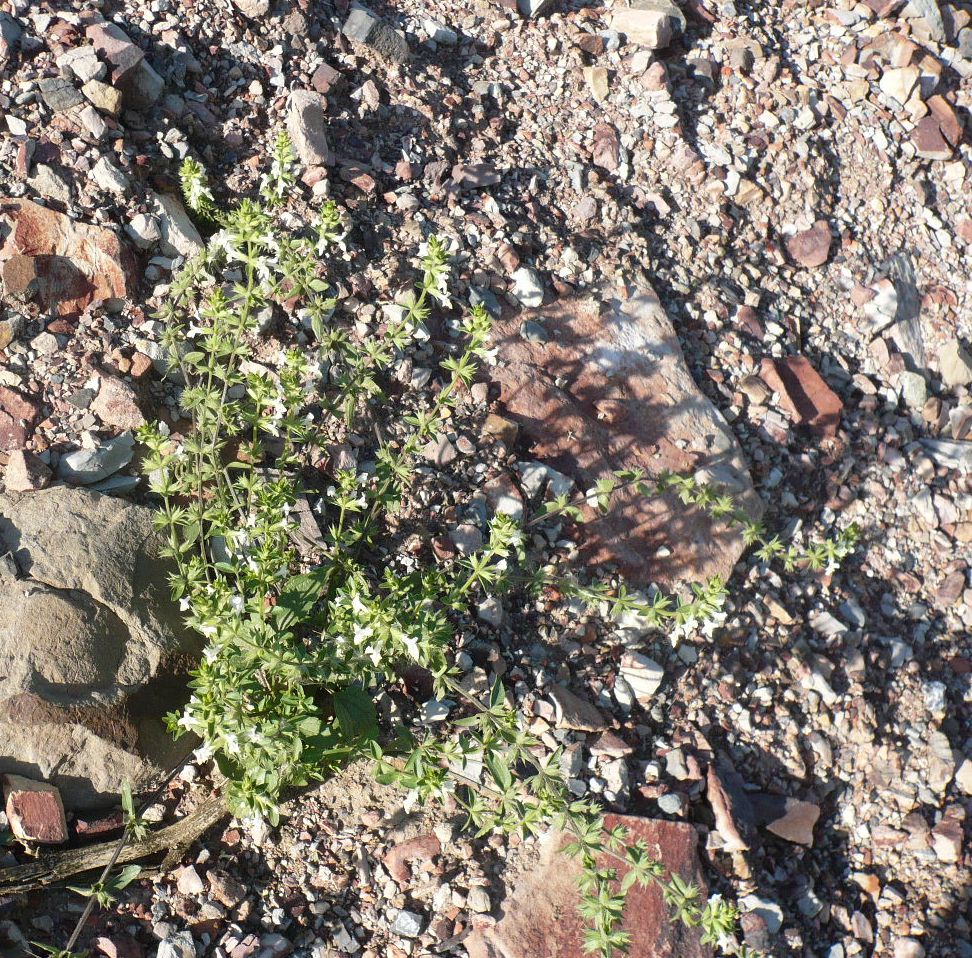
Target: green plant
[(297, 652)]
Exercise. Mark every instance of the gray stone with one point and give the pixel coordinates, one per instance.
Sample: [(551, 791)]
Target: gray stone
[(178, 945), (109, 177), (50, 183), (407, 924), (307, 128), (59, 94), (644, 675), (144, 231), (85, 466), (955, 364), (365, 27), (179, 236), (440, 33), (931, 13), (83, 62), (670, 803), (768, 910), (91, 646)]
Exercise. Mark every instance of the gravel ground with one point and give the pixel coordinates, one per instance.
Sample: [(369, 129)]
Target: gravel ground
[(553, 143)]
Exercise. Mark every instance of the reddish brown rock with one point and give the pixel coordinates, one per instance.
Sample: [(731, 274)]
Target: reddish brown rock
[(929, 140), (25, 472), (606, 151), (117, 405), (804, 395), (70, 264), (610, 390), (541, 917), (421, 848), (20, 280), (34, 810), (946, 117), (18, 417), (810, 247)]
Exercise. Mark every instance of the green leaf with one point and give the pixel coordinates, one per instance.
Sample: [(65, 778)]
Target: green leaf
[(299, 596), (354, 711)]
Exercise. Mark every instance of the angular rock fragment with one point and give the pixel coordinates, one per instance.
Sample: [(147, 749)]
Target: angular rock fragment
[(541, 917), (643, 674), (645, 25), (576, 713), (611, 391), (804, 395), (25, 472), (363, 26), (84, 467), (59, 94), (131, 72), (179, 236), (74, 264), (789, 818), (117, 404), (252, 8), (307, 128), (34, 810), (731, 807), (955, 364), (104, 97)]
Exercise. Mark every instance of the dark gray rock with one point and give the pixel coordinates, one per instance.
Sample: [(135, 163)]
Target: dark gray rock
[(59, 94), (365, 27)]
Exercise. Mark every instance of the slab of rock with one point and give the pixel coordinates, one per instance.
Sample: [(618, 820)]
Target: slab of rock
[(84, 467), (810, 247), (365, 27), (540, 915), (72, 264), (608, 389), (804, 395), (92, 649), (34, 810), (307, 128)]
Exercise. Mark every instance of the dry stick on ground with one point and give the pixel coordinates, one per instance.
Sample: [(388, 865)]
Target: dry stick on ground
[(60, 866)]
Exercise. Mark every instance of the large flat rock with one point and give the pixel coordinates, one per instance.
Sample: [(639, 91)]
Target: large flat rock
[(92, 650), (609, 389), (540, 912), (65, 264)]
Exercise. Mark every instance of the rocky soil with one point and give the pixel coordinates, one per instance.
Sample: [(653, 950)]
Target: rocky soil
[(792, 180)]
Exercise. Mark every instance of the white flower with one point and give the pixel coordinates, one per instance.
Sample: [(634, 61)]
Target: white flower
[(237, 603), (232, 743), (184, 604)]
